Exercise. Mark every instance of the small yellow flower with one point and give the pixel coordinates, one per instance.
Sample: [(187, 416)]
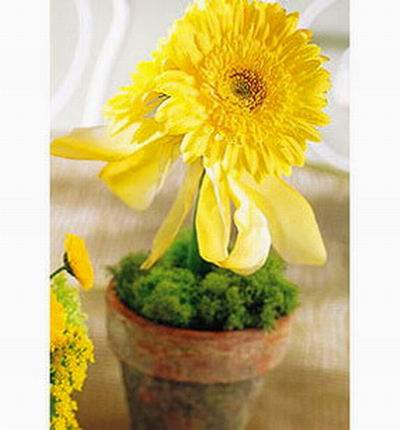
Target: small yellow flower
[(236, 90), (77, 260), (57, 320)]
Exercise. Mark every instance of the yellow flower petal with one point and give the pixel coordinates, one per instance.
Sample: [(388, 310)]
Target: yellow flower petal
[(148, 129), (253, 241), (176, 83), (294, 229), (213, 218), (175, 218), (213, 223), (78, 260), (194, 143), (93, 144), (181, 115), (137, 178), (137, 100)]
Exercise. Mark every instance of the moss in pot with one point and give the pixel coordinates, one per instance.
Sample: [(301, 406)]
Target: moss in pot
[(194, 348)]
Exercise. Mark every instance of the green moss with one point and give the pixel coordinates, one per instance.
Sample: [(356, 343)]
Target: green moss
[(171, 294)]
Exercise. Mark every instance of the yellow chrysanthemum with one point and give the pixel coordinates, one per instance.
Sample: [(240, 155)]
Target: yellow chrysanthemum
[(77, 260), (237, 91), (57, 320)]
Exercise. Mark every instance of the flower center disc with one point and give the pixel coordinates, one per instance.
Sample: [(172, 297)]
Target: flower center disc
[(248, 87)]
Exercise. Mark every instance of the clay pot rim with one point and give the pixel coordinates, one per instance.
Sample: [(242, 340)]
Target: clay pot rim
[(114, 301)]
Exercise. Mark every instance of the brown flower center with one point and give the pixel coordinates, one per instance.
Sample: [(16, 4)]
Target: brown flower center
[(247, 86)]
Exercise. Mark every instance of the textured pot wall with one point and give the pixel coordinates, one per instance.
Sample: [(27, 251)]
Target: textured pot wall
[(178, 379), (160, 404), (189, 355)]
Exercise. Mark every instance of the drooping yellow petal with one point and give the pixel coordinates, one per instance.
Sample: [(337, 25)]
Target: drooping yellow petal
[(213, 218), (294, 229), (253, 241), (93, 143), (137, 178), (175, 218)]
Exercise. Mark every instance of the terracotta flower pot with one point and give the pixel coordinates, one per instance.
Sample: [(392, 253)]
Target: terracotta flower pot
[(181, 379)]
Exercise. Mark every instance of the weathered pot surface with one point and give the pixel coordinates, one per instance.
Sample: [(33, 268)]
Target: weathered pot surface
[(182, 379), (186, 355)]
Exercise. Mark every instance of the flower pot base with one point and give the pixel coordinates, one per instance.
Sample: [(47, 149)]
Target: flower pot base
[(181, 379), (160, 404)]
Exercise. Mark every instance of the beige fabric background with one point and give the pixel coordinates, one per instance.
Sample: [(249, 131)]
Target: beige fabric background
[(309, 391)]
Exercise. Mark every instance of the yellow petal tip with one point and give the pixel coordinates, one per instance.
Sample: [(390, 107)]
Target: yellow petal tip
[(148, 263)]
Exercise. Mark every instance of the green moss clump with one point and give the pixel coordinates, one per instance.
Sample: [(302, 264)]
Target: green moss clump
[(171, 294)]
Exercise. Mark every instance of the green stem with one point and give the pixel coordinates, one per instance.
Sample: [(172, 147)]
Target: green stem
[(58, 271), (195, 263)]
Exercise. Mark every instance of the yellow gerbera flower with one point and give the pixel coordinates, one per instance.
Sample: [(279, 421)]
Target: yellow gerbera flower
[(236, 90), (77, 260), (57, 320)]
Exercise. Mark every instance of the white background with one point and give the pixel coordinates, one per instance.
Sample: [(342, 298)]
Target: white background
[(375, 156)]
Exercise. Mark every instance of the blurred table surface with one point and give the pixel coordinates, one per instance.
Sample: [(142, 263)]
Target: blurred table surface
[(310, 389)]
